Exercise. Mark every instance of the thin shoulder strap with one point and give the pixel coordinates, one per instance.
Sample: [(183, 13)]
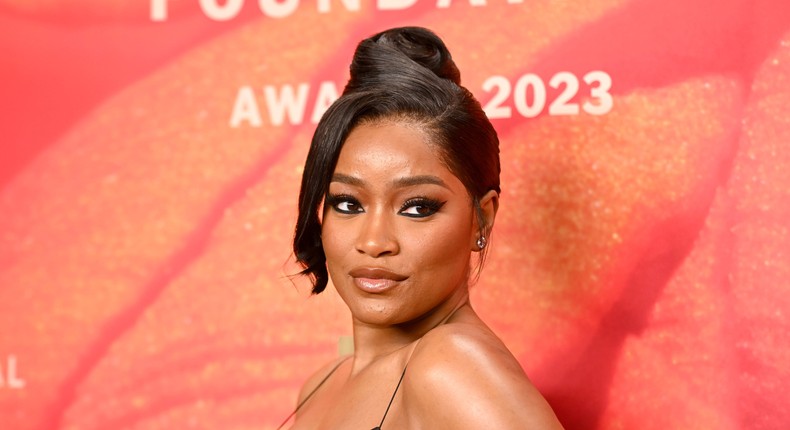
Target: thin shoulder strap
[(391, 399), (398, 386), (444, 320), (313, 392)]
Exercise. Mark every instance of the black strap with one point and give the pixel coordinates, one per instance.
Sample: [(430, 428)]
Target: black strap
[(391, 399), (326, 378), (313, 392)]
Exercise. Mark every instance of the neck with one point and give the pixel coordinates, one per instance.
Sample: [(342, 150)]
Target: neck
[(373, 342)]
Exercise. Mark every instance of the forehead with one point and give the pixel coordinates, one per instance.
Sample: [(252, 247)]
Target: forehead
[(391, 145)]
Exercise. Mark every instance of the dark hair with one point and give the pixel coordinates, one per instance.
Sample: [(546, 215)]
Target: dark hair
[(403, 74)]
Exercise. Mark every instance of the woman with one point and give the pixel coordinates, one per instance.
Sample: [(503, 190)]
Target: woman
[(400, 189)]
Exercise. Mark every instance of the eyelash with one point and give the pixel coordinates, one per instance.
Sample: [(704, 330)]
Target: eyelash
[(333, 200), (433, 205)]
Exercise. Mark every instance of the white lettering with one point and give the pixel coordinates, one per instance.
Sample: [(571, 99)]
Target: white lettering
[(221, 13), (395, 4), (278, 8), (562, 104), (533, 81), (224, 10), (324, 6), (327, 94), (158, 10), (288, 102), (446, 3), (10, 377), (600, 93), (599, 86), (494, 108), (245, 108)]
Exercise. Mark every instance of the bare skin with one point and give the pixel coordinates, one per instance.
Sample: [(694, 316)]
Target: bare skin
[(398, 231)]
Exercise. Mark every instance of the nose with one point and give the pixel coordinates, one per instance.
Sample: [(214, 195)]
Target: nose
[(377, 237)]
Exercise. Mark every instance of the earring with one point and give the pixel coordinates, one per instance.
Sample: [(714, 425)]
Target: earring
[(481, 242)]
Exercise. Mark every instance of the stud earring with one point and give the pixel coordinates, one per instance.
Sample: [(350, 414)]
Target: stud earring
[(481, 242)]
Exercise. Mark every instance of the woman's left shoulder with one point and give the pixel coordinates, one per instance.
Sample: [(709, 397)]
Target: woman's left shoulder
[(461, 342), (462, 376), (464, 350)]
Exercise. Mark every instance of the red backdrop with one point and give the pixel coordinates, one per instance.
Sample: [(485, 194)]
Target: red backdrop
[(151, 151)]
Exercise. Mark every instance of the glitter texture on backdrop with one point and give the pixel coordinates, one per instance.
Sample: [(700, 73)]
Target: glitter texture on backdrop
[(639, 264)]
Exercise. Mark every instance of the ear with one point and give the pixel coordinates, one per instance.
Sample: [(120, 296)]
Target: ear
[(489, 205)]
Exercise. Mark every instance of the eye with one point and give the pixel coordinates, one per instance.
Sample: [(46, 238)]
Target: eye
[(348, 207), (420, 207), (344, 204)]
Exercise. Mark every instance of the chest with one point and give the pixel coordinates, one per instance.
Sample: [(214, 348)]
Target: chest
[(358, 403)]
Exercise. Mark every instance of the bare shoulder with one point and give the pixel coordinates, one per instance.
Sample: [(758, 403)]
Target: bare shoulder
[(318, 377), (461, 376)]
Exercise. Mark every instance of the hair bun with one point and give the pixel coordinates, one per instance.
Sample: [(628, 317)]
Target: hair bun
[(402, 57), (423, 47)]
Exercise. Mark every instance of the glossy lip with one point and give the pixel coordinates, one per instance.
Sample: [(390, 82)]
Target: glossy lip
[(375, 280)]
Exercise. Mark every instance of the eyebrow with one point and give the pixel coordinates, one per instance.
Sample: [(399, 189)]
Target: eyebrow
[(407, 181)]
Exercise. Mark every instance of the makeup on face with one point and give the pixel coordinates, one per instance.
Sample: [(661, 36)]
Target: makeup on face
[(398, 226)]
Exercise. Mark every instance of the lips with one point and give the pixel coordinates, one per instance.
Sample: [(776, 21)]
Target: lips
[(375, 280)]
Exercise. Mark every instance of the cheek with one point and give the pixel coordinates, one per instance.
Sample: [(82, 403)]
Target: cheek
[(440, 245), (335, 241)]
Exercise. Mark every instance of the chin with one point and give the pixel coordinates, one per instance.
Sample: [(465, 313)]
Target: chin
[(375, 316)]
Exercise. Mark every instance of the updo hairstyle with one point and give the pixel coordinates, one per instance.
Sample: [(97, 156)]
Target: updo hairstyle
[(404, 75)]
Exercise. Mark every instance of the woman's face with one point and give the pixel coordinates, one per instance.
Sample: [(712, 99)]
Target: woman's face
[(398, 226)]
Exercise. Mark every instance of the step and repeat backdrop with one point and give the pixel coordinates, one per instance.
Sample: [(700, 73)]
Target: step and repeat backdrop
[(151, 154)]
